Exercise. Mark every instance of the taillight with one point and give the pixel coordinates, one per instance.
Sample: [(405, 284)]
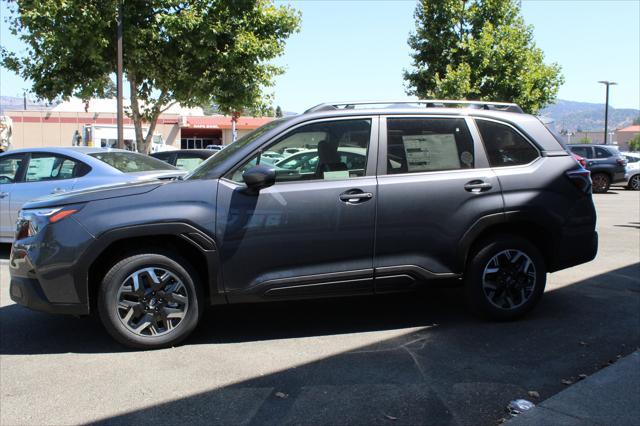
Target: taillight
[(581, 178), (621, 161), (580, 160)]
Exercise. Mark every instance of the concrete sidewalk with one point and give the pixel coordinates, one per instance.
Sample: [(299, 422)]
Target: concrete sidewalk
[(609, 397)]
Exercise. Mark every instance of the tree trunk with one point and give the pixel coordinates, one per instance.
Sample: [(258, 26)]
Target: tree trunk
[(146, 148), (135, 113)]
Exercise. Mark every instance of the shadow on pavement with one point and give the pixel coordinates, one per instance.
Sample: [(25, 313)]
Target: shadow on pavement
[(462, 371), (5, 250)]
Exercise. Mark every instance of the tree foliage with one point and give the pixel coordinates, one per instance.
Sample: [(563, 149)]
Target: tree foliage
[(479, 50), (188, 51), (634, 144)]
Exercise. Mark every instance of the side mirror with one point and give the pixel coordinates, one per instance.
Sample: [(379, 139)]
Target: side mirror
[(259, 177)]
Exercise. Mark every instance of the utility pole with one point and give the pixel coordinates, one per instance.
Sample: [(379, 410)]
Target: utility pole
[(119, 78), (24, 100), (606, 107)]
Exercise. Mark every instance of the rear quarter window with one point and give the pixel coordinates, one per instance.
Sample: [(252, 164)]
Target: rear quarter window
[(504, 145)]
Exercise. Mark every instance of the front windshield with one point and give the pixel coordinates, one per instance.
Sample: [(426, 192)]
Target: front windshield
[(131, 162), (203, 170)]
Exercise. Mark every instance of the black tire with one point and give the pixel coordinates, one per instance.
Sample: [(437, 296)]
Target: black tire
[(179, 272), (601, 183), (634, 183), (478, 297)]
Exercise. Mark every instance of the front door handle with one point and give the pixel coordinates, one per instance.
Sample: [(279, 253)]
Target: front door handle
[(477, 186), (58, 190), (354, 196), (4, 194)]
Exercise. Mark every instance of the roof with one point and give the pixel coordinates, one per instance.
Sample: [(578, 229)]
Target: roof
[(67, 149), (633, 129)]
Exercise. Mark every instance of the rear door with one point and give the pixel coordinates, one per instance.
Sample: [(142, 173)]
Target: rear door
[(434, 183)]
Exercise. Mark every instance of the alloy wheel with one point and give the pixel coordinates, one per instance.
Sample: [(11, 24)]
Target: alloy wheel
[(152, 301), (634, 183), (509, 279), (600, 183)]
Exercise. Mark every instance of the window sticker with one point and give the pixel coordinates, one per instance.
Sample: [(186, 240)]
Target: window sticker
[(431, 152), (341, 174)]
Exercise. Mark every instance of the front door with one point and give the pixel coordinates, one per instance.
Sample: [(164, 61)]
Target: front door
[(433, 185), (311, 233), (46, 174), (11, 169)]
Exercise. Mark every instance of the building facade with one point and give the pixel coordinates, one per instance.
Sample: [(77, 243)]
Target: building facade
[(94, 123)]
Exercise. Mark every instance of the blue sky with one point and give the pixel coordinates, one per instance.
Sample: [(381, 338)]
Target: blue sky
[(356, 50)]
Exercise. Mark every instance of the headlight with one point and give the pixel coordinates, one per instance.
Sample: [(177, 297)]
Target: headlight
[(30, 222)]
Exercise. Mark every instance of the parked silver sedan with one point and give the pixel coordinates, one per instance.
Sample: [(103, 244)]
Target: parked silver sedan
[(26, 174)]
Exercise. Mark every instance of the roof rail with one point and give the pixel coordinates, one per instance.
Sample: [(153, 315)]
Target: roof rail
[(428, 103)]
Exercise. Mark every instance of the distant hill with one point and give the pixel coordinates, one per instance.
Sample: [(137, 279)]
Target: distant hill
[(574, 116), (14, 103)]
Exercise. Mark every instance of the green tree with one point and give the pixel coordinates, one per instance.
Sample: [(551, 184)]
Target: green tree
[(278, 111), (187, 51), (634, 144), (584, 139), (479, 50), (637, 120)]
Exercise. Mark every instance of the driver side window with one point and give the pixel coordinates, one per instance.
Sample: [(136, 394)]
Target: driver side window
[(9, 167), (327, 150)]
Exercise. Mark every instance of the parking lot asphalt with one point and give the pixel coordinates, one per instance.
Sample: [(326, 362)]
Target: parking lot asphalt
[(402, 359)]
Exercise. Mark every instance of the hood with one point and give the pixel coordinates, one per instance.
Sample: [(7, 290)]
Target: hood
[(94, 193)]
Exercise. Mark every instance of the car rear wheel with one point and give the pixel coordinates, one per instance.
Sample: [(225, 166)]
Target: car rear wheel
[(150, 300), (505, 277), (601, 183), (634, 183)]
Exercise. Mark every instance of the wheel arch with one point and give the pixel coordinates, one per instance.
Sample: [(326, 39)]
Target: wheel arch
[(191, 243), (510, 223)]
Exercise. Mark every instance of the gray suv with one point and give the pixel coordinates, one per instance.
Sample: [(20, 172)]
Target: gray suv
[(606, 164), (475, 195)]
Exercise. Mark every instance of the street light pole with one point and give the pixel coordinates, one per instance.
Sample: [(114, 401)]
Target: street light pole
[(120, 119), (606, 107)]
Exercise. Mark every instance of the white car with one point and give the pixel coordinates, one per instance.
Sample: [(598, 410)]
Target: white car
[(30, 173), (632, 170)]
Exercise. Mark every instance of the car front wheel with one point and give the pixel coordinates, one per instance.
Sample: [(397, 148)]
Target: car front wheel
[(505, 277), (150, 300)]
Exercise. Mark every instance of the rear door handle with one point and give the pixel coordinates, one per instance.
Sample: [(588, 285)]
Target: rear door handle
[(478, 186), (4, 194), (58, 190), (354, 196)]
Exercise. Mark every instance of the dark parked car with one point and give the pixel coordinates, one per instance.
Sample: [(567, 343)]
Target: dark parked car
[(606, 164), (185, 159), (476, 196)]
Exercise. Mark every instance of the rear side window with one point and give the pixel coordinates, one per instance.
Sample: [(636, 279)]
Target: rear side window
[(582, 151), (602, 153), (504, 146), (44, 167), (416, 145)]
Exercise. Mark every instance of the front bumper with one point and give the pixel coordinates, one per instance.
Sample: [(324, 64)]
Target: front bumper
[(46, 274), (28, 292)]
